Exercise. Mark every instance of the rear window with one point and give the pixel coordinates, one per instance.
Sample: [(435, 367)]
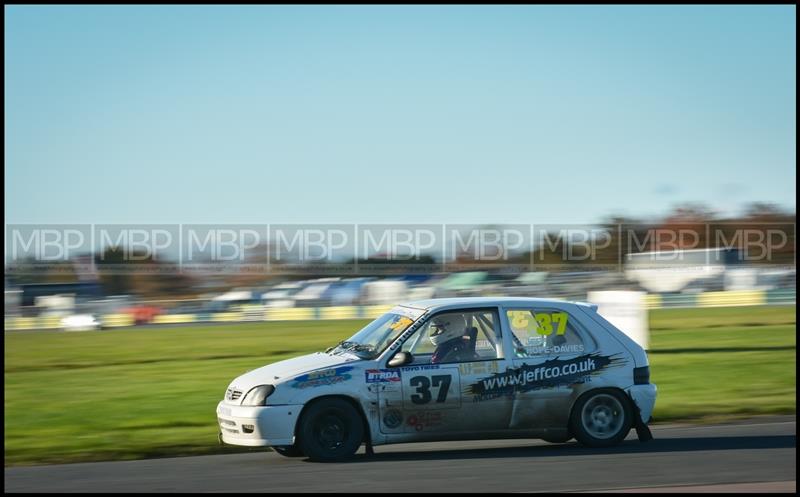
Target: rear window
[(547, 331)]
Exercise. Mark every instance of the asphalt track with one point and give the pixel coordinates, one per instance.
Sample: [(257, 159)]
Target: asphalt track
[(751, 456)]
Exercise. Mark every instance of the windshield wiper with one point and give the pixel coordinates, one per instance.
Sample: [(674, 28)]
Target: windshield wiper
[(330, 349), (351, 346), (363, 348), (344, 345)]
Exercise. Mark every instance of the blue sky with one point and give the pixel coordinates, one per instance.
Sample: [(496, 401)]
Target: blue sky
[(395, 114)]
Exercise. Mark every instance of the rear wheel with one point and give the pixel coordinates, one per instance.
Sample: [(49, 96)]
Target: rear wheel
[(288, 450), (330, 430), (601, 418)]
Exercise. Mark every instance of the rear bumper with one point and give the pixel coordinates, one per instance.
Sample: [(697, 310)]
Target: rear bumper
[(257, 426), (645, 398)]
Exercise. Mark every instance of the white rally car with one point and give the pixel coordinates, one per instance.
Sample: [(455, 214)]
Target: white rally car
[(450, 369)]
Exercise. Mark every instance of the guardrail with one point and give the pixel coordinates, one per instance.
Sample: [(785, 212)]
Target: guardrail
[(721, 299), (283, 314), (255, 314)]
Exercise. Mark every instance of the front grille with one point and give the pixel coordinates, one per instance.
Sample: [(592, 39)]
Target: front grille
[(232, 394)]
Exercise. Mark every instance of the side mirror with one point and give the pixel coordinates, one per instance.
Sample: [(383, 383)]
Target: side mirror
[(400, 359)]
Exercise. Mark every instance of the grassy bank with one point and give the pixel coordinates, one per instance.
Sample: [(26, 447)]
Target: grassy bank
[(723, 362)]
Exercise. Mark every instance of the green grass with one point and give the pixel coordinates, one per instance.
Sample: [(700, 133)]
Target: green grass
[(721, 363), (128, 394), (136, 393)]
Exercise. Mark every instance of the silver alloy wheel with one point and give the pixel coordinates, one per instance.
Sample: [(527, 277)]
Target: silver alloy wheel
[(603, 416)]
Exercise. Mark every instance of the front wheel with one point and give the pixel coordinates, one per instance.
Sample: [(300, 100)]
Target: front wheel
[(330, 430), (601, 418)]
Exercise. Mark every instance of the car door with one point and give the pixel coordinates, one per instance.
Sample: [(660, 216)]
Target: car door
[(434, 398), (550, 356)]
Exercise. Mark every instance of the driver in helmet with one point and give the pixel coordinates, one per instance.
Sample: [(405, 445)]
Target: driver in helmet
[(447, 334)]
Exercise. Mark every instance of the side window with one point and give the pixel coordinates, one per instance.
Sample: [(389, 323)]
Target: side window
[(462, 336), (419, 344), (539, 332), (487, 336)]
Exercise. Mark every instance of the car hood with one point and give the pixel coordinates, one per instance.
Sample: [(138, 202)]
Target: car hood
[(279, 372)]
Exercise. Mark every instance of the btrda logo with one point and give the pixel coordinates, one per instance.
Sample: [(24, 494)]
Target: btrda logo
[(380, 375)]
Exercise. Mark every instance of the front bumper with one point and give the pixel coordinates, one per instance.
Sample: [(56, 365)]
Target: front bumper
[(645, 398), (257, 426)]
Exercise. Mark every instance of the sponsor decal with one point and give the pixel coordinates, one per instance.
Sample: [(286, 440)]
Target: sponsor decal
[(424, 420), (552, 373), (382, 375), (542, 323), (320, 378), (410, 331), (389, 387), (482, 367), (393, 418), (421, 368), (400, 324), (493, 395), (556, 349)]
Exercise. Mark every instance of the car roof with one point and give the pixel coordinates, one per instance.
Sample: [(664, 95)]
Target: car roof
[(455, 303)]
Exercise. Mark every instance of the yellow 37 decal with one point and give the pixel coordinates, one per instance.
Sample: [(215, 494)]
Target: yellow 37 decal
[(544, 324)]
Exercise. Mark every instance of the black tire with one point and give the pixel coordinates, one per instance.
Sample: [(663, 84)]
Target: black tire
[(601, 418), (330, 430), (288, 450)]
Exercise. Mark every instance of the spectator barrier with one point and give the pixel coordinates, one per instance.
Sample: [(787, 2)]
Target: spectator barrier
[(654, 301)]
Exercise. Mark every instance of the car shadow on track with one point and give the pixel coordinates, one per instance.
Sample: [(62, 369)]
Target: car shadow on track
[(574, 449)]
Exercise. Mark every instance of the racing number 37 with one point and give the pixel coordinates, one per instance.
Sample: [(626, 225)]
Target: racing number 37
[(423, 386)]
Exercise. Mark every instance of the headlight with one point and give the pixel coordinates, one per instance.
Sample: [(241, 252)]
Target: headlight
[(257, 396)]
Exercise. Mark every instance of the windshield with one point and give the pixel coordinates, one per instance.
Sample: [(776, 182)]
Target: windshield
[(377, 335)]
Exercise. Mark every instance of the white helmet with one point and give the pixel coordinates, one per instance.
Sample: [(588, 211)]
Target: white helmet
[(446, 327)]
